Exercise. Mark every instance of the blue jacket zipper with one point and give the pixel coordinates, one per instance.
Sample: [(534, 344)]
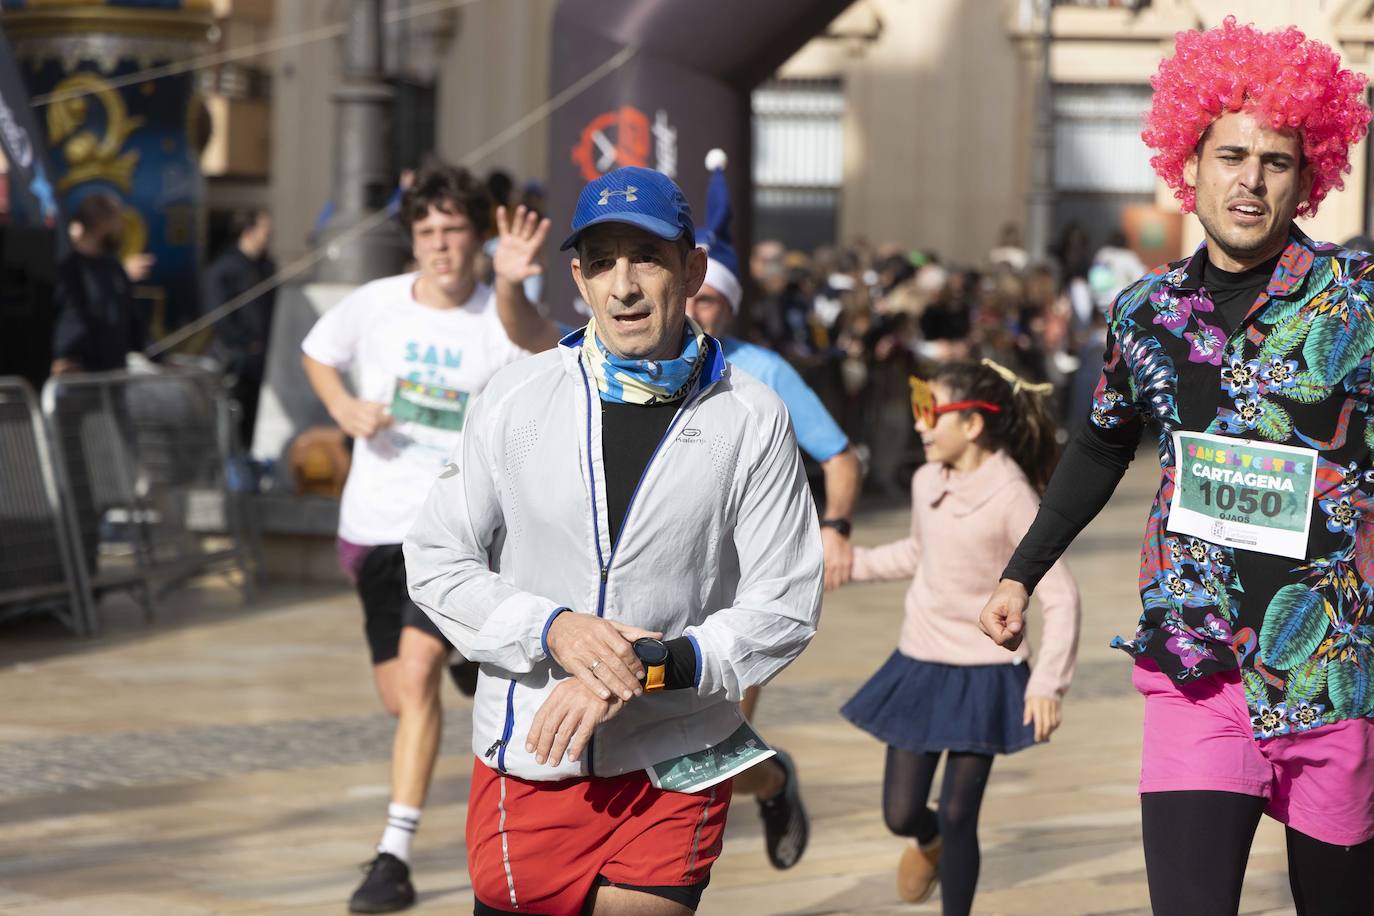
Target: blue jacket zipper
[(605, 563), (591, 478), (498, 747)]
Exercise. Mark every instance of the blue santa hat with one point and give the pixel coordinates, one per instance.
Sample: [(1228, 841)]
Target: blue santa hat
[(722, 265)]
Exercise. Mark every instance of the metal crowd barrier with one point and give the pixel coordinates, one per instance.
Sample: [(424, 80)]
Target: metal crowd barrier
[(144, 462), (37, 567)]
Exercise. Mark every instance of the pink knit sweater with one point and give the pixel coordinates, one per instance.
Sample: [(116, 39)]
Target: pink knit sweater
[(964, 529)]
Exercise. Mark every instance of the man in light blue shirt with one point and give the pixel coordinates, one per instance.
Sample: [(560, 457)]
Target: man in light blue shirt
[(774, 782), (714, 308)]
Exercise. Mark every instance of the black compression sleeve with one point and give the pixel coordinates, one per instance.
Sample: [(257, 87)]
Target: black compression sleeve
[(1092, 465), (681, 671)]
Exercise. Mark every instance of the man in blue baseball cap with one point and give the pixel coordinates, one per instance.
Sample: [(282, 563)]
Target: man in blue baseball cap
[(626, 543), (775, 783)]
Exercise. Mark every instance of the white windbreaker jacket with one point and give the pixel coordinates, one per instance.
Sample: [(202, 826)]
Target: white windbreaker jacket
[(720, 543)]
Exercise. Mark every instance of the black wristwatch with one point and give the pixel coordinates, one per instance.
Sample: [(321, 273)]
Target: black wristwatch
[(839, 524), (654, 655)]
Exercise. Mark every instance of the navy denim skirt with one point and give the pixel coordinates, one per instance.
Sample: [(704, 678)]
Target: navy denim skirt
[(926, 706)]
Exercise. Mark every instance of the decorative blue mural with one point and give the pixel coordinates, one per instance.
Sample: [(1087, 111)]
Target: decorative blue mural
[(136, 140)]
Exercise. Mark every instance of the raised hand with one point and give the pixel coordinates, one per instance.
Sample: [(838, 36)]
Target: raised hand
[(519, 241)]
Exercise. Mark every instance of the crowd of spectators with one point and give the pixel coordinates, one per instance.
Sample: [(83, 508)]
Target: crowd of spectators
[(857, 320)]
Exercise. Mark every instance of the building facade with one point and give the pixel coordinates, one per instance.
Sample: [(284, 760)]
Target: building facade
[(939, 101), (915, 118), (463, 74)]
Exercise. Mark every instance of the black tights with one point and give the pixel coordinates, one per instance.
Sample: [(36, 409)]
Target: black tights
[(906, 789), (1197, 845)]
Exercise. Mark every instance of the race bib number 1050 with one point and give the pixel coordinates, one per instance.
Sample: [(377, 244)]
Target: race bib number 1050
[(1238, 493)]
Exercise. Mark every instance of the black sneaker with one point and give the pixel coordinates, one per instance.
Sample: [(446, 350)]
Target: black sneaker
[(464, 676), (386, 889), (786, 828)]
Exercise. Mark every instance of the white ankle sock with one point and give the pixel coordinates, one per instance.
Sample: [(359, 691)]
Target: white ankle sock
[(401, 823)]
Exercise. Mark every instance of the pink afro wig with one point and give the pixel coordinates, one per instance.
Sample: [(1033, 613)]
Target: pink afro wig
[(1276, 76)]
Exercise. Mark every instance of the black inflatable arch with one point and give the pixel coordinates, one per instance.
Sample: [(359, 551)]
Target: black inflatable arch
[(684, 91)]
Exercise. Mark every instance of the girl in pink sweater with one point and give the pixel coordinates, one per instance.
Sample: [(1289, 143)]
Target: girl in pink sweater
[(947, 689)]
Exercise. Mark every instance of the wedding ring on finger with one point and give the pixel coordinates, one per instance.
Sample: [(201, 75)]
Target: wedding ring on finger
[(594, 665)]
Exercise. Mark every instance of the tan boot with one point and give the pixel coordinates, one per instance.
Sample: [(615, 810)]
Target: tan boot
[(919, 871)]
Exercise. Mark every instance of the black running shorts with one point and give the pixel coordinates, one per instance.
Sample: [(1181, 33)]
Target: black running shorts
[(387, 607)]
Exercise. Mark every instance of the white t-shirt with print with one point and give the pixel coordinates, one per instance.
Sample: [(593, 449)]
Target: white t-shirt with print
[(426, 365)]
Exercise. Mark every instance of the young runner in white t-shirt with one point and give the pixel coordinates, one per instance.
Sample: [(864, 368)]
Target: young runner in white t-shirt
[(423, 344), (422, 364)]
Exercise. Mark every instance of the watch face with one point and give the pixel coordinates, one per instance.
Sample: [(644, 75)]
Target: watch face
[(651, 651)]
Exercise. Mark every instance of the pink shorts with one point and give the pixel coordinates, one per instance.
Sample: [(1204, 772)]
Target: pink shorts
[(1198, 738)]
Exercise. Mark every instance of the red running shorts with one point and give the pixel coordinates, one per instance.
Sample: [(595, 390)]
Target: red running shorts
[(538, 847)]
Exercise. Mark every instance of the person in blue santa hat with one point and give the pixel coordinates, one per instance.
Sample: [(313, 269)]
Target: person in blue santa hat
[(715, 307)]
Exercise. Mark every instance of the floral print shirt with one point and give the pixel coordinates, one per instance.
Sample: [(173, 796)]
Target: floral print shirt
[(1295, 371)]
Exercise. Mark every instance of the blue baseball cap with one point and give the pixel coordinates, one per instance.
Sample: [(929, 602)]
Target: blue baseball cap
[(640, 197)]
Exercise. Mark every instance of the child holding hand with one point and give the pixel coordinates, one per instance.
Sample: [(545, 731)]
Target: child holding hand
[(947, 690)]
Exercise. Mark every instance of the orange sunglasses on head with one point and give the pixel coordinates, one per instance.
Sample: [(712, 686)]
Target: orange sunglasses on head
[(925, 410)]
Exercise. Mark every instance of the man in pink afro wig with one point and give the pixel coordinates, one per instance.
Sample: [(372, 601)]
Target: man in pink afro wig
[(1253, 357), (1281, 78)]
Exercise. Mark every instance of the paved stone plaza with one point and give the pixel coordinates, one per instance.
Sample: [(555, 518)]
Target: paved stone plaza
[(232, 761)]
